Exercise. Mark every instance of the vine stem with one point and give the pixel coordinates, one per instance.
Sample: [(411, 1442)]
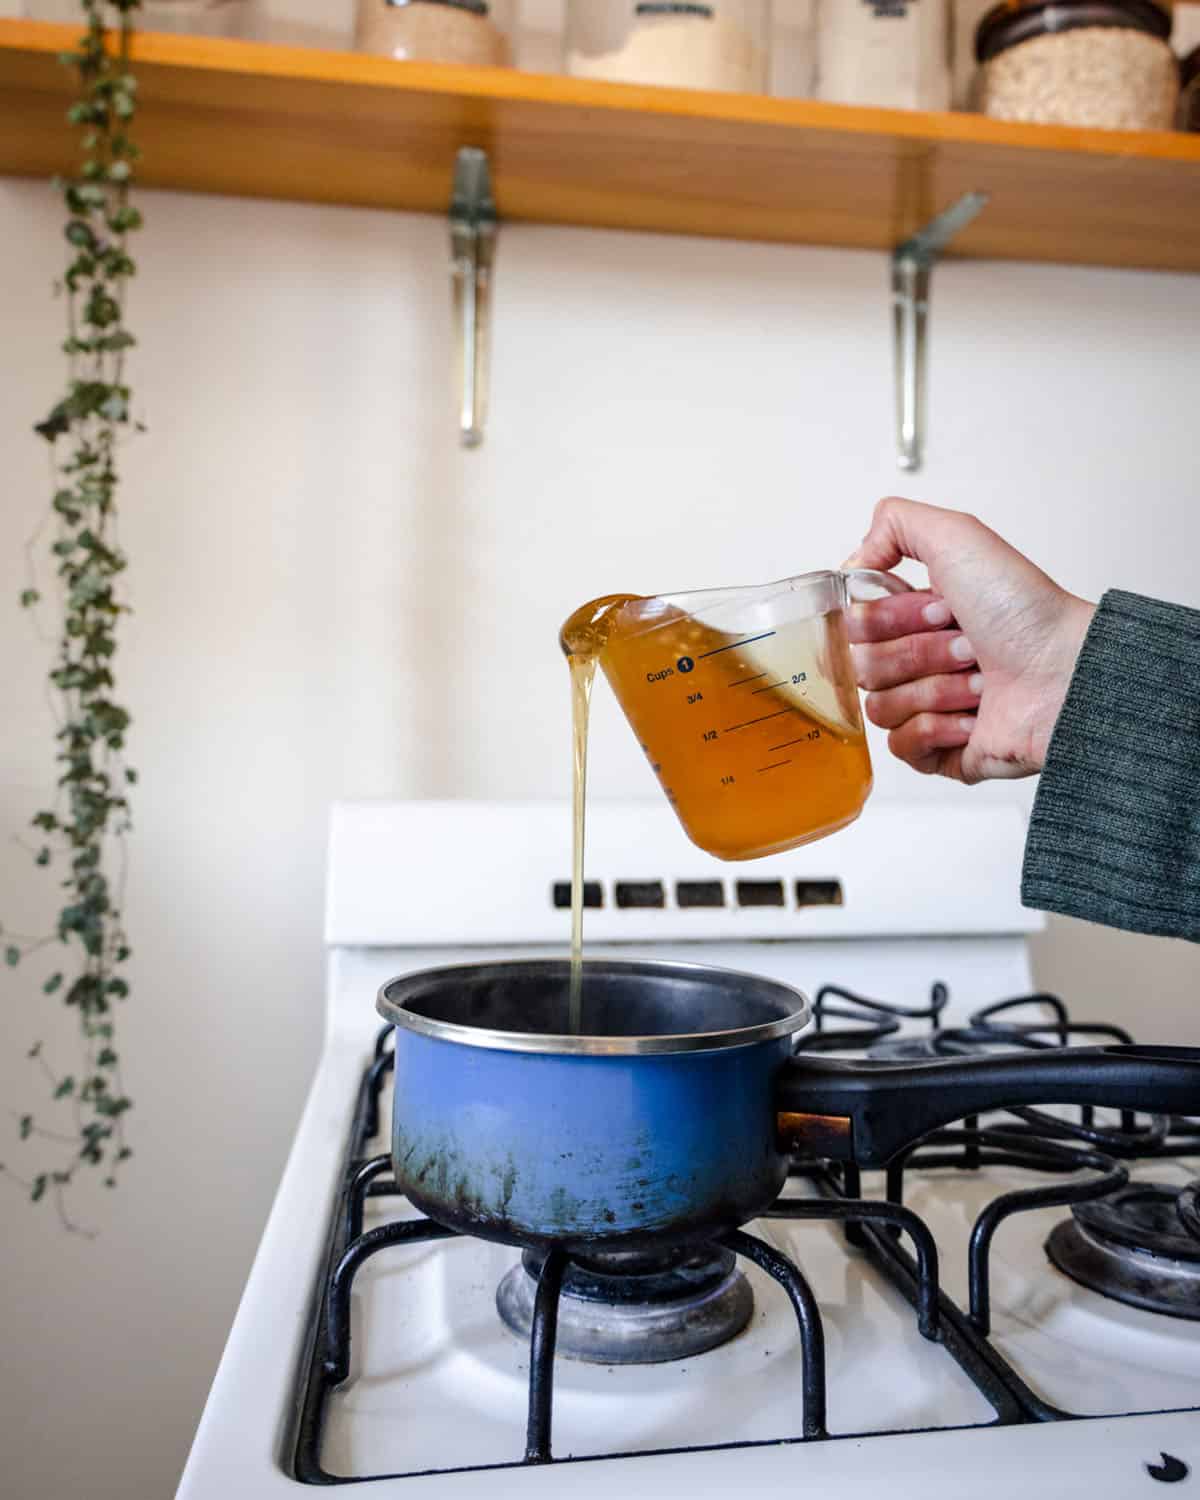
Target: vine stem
[(84, 828)]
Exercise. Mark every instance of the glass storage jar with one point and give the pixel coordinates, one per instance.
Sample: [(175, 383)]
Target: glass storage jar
[(894, 54), (1185, 27), (965, 16), (1101, 63), (1189, 91), (721, 44), (475, 32), (793, 66)]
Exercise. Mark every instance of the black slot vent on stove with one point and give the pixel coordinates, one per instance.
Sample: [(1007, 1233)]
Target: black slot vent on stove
[(593, 895), (633, 893), (819, 893), (699, 893), (760, 892)]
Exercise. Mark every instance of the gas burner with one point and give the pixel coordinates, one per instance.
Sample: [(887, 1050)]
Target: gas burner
[(906, 1048), (948, 1041), (1135, 1245), (630, 1309)]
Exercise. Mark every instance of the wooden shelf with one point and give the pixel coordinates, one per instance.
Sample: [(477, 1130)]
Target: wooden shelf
[(254, 119)]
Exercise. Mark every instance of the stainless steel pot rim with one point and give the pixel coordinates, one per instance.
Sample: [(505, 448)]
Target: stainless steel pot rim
[(594, 1046)]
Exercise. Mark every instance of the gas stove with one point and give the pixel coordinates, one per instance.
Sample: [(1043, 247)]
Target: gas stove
[(1015, 1301)]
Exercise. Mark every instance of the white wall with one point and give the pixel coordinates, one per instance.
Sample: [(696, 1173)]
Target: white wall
[(332, 600)]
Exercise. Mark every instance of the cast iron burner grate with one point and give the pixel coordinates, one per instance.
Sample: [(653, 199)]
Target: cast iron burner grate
[(1049, 1144)]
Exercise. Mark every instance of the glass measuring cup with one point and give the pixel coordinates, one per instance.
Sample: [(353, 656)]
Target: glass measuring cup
[(745, 703)]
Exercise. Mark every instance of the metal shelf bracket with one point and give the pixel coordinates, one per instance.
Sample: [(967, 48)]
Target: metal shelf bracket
[(912, 273), (473, 230)]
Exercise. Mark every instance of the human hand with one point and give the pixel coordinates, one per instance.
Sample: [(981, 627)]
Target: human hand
[(968, 676)]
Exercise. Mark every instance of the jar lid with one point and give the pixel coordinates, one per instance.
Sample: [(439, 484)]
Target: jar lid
[(1189, 67), (673, 8), (476, 7), (1015, 21)]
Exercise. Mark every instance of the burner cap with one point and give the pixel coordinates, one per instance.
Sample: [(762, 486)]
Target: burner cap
[(623, 1311), (905, 1049), (1143, 1216), (1132, 1246)]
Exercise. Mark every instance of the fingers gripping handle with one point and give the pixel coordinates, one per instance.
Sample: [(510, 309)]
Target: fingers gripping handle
[(860, 581), (866, 1112)]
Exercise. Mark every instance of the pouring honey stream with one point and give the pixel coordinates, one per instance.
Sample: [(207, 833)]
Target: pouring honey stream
[(582, 638), (755, 735)]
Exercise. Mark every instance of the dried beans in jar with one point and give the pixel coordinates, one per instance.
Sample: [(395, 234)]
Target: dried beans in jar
[(1079, 62)]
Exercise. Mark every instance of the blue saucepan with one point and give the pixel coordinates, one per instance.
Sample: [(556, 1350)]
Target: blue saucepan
[(671, 1116)]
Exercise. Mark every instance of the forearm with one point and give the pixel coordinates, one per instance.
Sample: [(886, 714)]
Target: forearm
[(1115, 832)]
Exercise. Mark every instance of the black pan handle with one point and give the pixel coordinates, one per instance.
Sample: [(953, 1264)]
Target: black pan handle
[(868, 1111)]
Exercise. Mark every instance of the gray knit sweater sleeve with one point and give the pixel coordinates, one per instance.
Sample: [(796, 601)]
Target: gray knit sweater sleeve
[(1115, 832)]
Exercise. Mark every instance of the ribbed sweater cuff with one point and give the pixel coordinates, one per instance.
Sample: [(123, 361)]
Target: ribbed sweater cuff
[(1115, 831)]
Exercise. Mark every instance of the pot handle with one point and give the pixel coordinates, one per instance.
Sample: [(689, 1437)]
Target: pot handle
[(866, 1112), (871, 578)]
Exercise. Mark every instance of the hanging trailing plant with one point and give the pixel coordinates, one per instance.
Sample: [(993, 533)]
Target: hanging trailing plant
[(81, 835)]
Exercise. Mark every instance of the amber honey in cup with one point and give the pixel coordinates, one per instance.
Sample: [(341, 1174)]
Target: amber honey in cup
[(745, 703)]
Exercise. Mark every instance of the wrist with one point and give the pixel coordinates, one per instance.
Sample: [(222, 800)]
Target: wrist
[(1056, 671)]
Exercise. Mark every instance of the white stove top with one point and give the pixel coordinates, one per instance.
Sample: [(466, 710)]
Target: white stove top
[(438, 1387), (445, 1348)]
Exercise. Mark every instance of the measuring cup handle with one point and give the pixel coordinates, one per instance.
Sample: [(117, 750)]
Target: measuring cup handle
[(870, 578)]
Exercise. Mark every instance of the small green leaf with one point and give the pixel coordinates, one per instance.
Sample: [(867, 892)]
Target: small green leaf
[(43, 857), (35, 1050), (55, 424), (39, 1187), (26, 1126), (29, 597), (53, 984), (67, 1086), (12, 956)]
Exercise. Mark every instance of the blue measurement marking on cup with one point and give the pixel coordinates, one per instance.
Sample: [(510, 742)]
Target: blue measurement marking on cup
[(733, 645)]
